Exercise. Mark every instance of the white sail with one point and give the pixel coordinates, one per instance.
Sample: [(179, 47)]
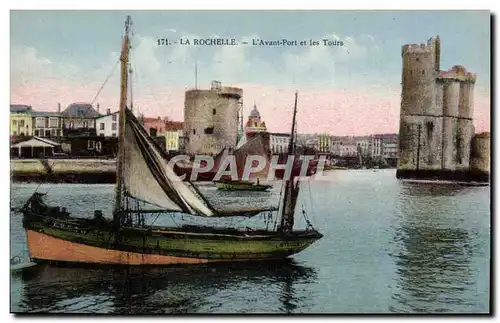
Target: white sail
[(148, 177)]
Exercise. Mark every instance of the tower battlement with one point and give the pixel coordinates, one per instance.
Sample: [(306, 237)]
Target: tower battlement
[(457, 73), (411, 49)]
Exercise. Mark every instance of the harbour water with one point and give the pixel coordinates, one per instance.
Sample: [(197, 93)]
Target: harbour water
[(388, 247)]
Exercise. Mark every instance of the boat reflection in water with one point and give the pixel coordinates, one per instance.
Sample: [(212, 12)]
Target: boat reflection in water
[(433, 253), (157, 290)]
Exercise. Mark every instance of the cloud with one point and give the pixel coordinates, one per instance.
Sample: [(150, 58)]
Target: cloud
[(318, 63), (26, 65), (230, 63), (162, 73)]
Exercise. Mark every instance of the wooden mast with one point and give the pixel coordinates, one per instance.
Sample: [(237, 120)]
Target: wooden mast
[(121, 127), (287, 218)]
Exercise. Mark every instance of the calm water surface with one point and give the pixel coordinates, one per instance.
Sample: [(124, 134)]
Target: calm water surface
[(388, 247)]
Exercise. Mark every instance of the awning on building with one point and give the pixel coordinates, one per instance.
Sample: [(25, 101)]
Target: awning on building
[(36, 142)]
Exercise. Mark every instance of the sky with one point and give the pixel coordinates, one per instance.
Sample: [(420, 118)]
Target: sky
[(67, 56)]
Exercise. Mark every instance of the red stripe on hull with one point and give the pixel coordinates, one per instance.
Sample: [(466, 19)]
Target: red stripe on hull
[(45, 247)]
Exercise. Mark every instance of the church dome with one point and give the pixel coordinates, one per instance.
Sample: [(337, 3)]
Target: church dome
[(255, 113)]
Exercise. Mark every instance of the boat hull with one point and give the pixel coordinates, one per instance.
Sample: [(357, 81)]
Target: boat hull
[(60, 241), (45, 247), (235, 186)]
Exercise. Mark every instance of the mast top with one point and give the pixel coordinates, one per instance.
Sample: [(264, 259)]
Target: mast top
[(128, 24)]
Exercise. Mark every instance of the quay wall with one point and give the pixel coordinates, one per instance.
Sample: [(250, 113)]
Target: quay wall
[(63, 170)]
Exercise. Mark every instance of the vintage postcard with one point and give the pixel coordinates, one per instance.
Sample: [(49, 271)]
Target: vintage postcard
[(250, 162)]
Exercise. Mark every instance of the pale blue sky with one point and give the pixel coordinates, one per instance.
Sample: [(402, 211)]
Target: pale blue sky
[(65, 56), (86, 39)]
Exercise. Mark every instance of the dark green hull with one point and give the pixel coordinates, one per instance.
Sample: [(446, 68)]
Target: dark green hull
[(241, 186), (82, 240)]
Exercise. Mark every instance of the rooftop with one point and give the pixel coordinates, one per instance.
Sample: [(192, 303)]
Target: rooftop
[(82, 110), (45, 114), (173, 125), (20, 108), (458, 73)]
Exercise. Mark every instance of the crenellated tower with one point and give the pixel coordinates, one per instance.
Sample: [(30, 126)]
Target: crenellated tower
[(421, 107), (436, 112)]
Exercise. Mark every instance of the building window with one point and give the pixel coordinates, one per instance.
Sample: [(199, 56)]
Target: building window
[(53, 122), (14, 133), (36, 133), (113, 126), (54, 132), (114, 134), (21, 123), (40, 122), (47, 133), (114, 117), (85, 124), (14, 122), (213, 111), (101, 126), (90, 144)]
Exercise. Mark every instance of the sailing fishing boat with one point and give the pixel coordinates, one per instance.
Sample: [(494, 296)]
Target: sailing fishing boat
[(146, 187)]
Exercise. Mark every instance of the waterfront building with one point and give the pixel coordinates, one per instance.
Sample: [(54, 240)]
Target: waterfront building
[(304, 138), (279, 142), (390, 150), (365, 144), (154, 126), (21, 120), (87, 146), (348, 147), (173, 133), (376, 147), (166, 132), (344, 146), (107, 125), (47, 124), (323, 144), (390, 145), (34, 147), (79, 119)]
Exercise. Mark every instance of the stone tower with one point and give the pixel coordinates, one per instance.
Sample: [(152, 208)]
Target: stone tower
[(421, 107), (211, 119), (436, 114)]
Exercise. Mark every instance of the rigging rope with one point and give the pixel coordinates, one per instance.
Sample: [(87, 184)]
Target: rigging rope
[(102, 86), (279, 202)]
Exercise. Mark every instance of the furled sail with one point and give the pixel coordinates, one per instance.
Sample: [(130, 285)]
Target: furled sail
[(148, 177)]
